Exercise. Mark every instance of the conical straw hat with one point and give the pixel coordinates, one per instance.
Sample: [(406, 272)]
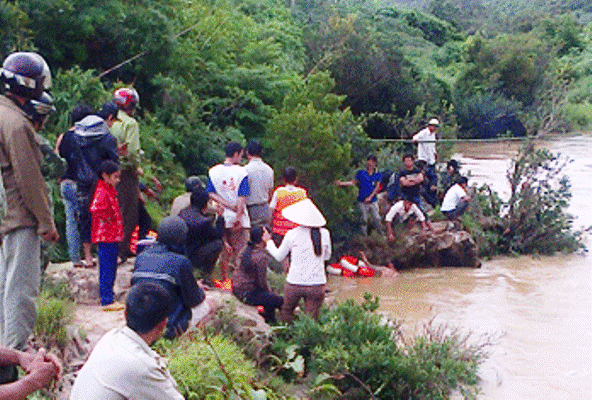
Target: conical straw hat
[(304, 213)]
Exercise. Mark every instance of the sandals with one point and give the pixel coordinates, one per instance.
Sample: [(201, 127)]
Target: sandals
[(116, 306), (83, 264)]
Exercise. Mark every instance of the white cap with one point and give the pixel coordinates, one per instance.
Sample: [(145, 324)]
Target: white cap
[(304, 213), (434, 121)]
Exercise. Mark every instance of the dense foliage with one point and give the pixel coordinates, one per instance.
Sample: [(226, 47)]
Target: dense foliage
[(312, 80), (363, 355)]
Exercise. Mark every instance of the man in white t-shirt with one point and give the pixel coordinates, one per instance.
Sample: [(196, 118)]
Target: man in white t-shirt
[(228, 184), (122, 365), (426, 143), (456, 200), (403, 210)]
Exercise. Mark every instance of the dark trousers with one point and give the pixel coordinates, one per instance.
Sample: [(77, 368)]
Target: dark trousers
[(144, 221), (107, 271), (204, 257), (268, 300), (460, 209), (127, 195)]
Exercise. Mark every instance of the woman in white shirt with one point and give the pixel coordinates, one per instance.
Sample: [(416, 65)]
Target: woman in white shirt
[(309, 246)]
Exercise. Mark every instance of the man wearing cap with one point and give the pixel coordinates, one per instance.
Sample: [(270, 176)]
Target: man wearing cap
[(164, 263), (28, 217), (426, 143), (456, 200), (448, 178)]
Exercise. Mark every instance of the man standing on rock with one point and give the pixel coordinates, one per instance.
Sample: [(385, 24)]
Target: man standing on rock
[(426, 144), (28, 209), (228, 184), (127, 132), (369, 184), (261, 185)]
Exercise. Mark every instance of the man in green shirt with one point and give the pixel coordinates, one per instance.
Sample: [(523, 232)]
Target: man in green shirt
[(127, 132)]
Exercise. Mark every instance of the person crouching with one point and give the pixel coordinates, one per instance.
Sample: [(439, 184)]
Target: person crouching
[(249, 279), (166, 265)]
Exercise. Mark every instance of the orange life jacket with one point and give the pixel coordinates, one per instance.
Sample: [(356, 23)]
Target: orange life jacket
[(285, 197)]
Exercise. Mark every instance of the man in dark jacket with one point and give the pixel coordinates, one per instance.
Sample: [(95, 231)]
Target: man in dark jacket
[(85, 148), (165, 264), (204, 241)]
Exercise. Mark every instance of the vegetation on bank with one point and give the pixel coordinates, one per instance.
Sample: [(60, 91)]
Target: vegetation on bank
[(312, 80), (350, 352)]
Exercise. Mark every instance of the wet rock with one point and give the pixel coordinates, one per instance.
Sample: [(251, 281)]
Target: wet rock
[(446, 245)]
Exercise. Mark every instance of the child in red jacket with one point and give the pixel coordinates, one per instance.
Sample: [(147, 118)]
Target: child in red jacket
[(107, 230)]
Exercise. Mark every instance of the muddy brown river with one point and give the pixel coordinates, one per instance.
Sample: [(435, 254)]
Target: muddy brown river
[(539, 308)]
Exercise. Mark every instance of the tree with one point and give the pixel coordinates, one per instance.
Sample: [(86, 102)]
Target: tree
[(313, 135)]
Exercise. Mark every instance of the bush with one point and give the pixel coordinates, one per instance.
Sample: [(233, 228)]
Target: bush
[(212, 368), (360, 351), (53, 316), (534, 219)]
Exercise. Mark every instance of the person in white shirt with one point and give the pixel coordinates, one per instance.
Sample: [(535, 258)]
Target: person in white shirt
[(310, 246), (426, 143), (403, 210), (228, 185), (456, 200), (122, 365)]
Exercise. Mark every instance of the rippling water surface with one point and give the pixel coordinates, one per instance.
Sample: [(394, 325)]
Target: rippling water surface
[(540, 308)]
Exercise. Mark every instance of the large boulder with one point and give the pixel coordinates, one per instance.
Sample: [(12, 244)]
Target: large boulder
[(446, 245)]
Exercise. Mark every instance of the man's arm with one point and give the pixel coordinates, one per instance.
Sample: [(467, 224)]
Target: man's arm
[(244, 190), (377, 187), (191, 293), (411, 181), (23, 153), (41, 370), (353, 182), (241, 205)]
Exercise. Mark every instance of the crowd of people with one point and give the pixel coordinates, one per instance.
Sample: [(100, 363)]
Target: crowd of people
[(412, 189), (236, 219)]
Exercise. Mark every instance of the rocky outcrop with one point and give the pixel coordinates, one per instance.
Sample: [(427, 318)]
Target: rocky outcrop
[(446, 245)]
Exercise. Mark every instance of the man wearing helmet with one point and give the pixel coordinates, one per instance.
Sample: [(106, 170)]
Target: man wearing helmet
[(24, 77), (127, 132)]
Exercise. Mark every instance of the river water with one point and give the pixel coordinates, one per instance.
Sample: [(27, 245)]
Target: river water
[(538, 308)]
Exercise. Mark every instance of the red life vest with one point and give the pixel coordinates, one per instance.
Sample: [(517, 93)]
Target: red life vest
[(285, 197)]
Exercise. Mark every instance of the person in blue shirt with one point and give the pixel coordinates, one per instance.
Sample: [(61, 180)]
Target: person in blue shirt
[(369, 184)]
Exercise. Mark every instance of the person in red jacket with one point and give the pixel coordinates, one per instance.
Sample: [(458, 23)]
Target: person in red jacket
[(107, 230)]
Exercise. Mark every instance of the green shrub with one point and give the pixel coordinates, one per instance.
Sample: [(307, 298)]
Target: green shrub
[(213, 368), (359, 351), (579, 115), (53, 316), (534, 219)]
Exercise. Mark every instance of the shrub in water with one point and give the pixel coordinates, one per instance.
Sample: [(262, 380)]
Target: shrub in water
[(364, 354)]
